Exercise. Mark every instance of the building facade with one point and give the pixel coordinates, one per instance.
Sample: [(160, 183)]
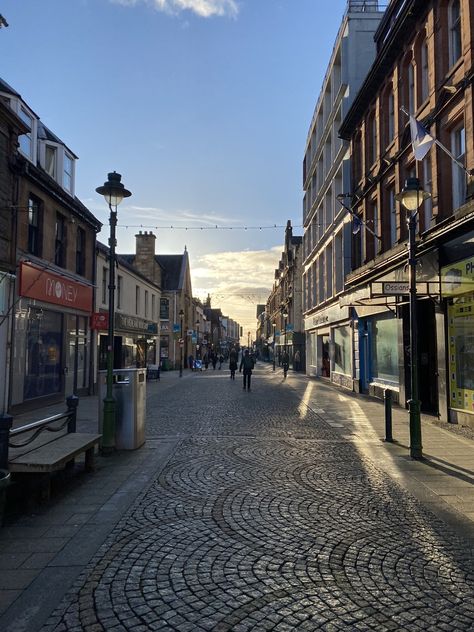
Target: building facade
[(54, 237), (424, 68), (326, 178)]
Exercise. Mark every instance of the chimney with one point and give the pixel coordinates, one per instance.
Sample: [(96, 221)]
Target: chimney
[(145, 254)]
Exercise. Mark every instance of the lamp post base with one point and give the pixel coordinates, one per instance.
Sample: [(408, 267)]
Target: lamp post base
[(108, 427), (416, 450)]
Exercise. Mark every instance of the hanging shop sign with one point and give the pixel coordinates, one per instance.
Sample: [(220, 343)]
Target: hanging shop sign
[(43, 285), (99, 320), (458, 278)]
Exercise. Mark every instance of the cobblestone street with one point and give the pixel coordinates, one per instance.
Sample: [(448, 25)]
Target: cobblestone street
[(266, 518)]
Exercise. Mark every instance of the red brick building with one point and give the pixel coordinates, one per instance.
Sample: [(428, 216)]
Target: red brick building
[(424, 66)]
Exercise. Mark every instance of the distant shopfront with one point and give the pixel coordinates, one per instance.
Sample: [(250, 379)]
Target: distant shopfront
[(135, 343), (52, 336)]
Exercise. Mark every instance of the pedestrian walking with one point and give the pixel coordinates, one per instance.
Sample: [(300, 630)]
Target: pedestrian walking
[(247, 365), (221, 360), (297, 360), (191, 362), (233, 363), (214, 360), (206, 361), (285, 361)]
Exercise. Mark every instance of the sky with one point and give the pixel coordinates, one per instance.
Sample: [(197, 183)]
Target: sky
[(203, 106)]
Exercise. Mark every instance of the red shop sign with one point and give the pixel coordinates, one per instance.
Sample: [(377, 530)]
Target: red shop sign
[(44, 285), (99, 320)]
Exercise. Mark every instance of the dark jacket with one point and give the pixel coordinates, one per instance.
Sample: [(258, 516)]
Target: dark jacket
[(246, 364)]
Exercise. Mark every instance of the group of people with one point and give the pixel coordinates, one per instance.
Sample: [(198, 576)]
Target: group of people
[(208, 358)]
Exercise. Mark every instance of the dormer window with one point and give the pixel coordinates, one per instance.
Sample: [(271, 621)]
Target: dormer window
[(68, 168), (51, 161), (27, 144)]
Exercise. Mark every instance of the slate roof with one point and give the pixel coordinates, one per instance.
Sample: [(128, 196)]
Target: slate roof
[(172, 277)]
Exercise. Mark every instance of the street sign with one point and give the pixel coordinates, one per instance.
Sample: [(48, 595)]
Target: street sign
[(176, 328), (395, 287)]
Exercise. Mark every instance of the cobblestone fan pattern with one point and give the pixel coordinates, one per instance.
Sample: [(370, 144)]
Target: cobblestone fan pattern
[(266, 519)]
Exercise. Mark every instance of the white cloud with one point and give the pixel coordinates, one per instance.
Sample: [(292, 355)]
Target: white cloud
[(237, 281), (203, 8)]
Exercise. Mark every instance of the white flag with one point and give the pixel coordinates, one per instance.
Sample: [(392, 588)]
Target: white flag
[(421, 139)]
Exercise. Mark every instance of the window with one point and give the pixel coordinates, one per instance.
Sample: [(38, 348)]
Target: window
[(60, 241), (428, 187), (392, 216), (164, 309), (67, 172), (455, 41), (153, 307), (50, 160), (104, 286), (411, 88), (424, 79), (81, 251), (371, 140), (329, 277), (146, 303), (34, 226), (389, 117), (119, 291), (458, 148), (137, 299), (26, 140)]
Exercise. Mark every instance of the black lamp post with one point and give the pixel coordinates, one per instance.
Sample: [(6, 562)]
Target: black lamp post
[(113, 192), (197, 338), (274, 327), (285, 316), (411, 197), (181, 344)]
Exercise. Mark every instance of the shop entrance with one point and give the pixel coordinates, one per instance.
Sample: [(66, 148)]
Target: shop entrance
[(427, 355), (325, 368)]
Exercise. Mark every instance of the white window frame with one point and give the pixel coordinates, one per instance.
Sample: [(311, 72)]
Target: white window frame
[(28, 118), (458, 148), (65, 174)]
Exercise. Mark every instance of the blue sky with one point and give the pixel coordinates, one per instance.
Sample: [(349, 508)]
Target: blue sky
[(203, 106)]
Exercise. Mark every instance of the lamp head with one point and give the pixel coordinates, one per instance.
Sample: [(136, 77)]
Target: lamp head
[(113, 190), (412, 195), (181, 312)]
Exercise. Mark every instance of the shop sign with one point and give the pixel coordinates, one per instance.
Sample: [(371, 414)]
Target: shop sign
[(152, 328), (99, 320), (176, 328), (134, 324), (44, 285), (458, 278), (395, 287)]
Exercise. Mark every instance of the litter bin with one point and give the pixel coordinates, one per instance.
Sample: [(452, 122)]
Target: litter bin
[(129, 392)]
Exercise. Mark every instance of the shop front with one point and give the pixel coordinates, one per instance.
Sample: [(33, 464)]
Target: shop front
[(135, 343), (52, 336), (329, 347), (457, 282)]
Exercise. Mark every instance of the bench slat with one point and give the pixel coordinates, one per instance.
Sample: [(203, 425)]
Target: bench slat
[(54, 455)]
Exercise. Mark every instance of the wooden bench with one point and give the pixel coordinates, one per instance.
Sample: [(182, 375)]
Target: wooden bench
[(47, 445)]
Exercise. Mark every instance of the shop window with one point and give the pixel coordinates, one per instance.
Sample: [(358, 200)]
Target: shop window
[(60, 241), (384, 350), (461, 350), (34, 226), (81, 251), (342, 350), (44, 337)]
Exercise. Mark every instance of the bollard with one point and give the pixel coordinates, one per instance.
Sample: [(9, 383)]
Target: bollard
[(72, 403), (387, 396), (6, 422)]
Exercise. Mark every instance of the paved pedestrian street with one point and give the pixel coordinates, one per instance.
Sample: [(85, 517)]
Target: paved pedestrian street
[(266, 516)]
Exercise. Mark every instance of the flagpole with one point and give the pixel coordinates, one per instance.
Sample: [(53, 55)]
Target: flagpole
[(351, 212), (445, 149)]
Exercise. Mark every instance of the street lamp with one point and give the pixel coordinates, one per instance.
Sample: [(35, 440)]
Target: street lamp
[(113, 192), (181, 344), (274, 327), (197, 338), (411, 197), (285, 316)]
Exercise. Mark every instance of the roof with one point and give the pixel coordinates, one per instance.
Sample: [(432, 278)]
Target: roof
[(126, 261), (172, 277)]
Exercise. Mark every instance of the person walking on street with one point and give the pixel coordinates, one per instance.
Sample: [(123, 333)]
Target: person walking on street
[(191, 362), (247, 365), (285, 361), (297, 360), (233, 363), (221, 360)]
